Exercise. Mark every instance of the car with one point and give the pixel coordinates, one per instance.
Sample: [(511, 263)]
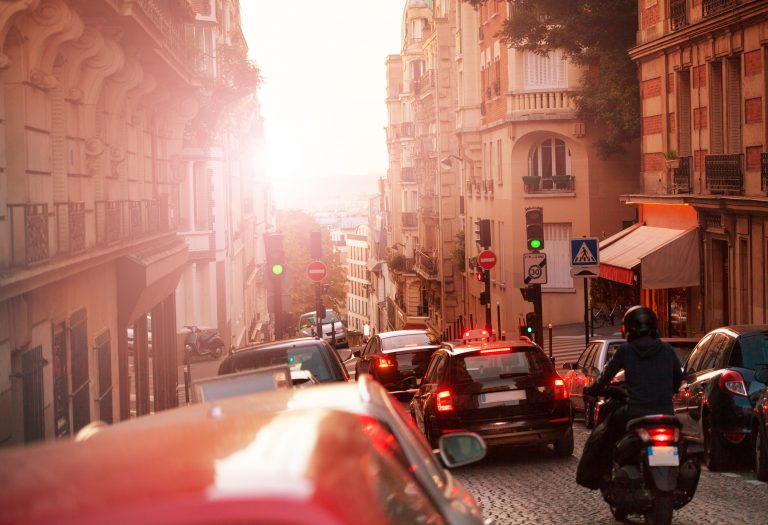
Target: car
[(717, 398), (302, 353), (508, 392), (582, 373), (760, 428), (339, 454), (334, 330), (396, 359)]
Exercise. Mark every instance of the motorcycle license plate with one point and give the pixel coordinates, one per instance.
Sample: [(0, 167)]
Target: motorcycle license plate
[(663, 457)]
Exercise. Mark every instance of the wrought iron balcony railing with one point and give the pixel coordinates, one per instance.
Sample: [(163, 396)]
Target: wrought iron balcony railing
[(29, 234), (764, 172), (116, 220), (410, 219), (426, 264), (70, 226), (678, 14), (555, 184), (715, 7), (681, 176), (724, 173)]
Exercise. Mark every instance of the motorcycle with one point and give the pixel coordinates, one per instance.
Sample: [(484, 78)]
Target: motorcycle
[(651, 472), (203, 342)]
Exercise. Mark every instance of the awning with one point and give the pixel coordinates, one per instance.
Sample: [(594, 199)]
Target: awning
[(667, 257)]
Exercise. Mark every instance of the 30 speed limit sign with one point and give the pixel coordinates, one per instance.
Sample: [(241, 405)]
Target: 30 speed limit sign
[(535, 268)]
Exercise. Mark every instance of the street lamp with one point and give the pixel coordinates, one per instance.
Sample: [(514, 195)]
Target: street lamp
[(447, 163)]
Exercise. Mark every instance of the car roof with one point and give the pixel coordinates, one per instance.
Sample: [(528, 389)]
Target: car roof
[(237, 448), (296, 342), (490, 345), (741, 329), (397, 333)]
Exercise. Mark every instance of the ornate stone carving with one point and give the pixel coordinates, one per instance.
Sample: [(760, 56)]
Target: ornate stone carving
[(94, 148), (117, 156), (42, 80)]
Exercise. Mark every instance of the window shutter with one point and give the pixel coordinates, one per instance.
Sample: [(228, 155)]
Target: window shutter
[(104, 362), (32, 393), (557, 242), (81, 414), (684, 113), (716, 109), (734, 105)]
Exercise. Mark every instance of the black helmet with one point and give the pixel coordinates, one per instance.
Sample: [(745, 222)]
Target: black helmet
[(639, 321)]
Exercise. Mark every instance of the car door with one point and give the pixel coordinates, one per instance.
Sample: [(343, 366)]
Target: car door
[(580, 375), (688, 397), (364, 361), (709, 370), (417, 403), (428, 388)]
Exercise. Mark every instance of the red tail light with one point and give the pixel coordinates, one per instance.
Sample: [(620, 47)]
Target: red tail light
[(385, 362), (731, 381), (444, 401), (496, 351), (660, 436), (560, 391)]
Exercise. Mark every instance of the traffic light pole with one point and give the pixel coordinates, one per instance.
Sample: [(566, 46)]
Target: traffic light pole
[(277, 303), (318, 302), (488, 314), (538, 334)]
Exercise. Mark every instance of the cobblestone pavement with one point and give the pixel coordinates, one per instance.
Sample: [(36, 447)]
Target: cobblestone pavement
[(532, 486)]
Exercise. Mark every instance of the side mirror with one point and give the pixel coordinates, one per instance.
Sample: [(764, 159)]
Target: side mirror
[(418, 381), (762, 375), (356, 353), (461, 448)]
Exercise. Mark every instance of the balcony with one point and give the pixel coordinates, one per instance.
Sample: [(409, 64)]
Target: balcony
[(678, 14), (70, 227), (681, 176), (542, 102), (549, 185), (118, 220), (428, 205), (409, 219), (408, 174), (715, 7), (407, 129), (29, 234), (487, 186), (764, 172), (724, 173), (426, 264)]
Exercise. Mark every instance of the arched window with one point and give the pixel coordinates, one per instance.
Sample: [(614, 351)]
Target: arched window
[(549, 159)]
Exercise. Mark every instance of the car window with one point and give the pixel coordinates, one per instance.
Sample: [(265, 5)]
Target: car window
[(306, 357), (694, 361), (711, 358), (612, 348), (430, 373), (590, 362), (307, 321), (407, 340), (583, 357), (751, 351), (483, 368)]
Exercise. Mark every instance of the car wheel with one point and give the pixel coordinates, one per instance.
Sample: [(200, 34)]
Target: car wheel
[(564, 446), (714, 449), (589, 414), (217, 352), (760, 455)]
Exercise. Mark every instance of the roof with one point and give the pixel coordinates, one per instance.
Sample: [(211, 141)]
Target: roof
[(741, 329), (473, 347), (283, 343), (193, 458), (397, 333)]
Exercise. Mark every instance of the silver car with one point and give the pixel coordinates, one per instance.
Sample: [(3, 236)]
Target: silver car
[(333, 328)]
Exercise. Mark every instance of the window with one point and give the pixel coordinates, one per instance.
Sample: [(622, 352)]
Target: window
[(557, 246), (550, 158), (81, 404), (545, 72)]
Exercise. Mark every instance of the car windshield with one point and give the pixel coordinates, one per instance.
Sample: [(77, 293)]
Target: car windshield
[(297, 358), (754, 350), (481, 367), (309, 320), (407, 340)]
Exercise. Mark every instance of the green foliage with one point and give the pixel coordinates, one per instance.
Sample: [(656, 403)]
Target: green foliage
[(295, 227), (592, 33)]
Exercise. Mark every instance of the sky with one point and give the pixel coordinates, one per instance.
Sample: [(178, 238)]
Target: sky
[(324, 89)]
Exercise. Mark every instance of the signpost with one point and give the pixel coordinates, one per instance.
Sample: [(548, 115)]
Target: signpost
[(535, 268), (585, 262), (486, 260)]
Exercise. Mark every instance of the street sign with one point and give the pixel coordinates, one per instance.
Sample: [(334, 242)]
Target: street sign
[(585, 252), (585, 272), (317, 271), (486, 260), (535, 268)]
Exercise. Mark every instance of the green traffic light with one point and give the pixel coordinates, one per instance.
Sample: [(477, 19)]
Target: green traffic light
[(277, 269), (535, 244), (529, 329)]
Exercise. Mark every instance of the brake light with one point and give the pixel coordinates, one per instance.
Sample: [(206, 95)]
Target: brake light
[(560, 391), (496, 351), (731, 381), (444, 401), (385, 362), (466, 335), (660, 436)]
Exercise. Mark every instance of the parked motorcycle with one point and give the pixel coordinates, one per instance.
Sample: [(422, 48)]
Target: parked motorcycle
[(203, 342), (651, 472)]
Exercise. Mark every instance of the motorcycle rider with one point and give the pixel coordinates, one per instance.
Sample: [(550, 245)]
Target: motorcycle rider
[(653, 374)]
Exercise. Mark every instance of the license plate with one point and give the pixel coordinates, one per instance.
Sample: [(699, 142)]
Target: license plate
[(663, 457), (502, 397)]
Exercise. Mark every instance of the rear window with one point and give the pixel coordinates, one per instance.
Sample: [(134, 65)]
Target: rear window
[(754, 350), (310, 320), (407, 340), (479, 368), (297, 358)]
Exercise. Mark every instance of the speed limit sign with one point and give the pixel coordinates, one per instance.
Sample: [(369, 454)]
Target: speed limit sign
[(535, 268)]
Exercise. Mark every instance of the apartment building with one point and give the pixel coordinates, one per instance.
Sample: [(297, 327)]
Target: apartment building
[(703, 76), (358, 281)]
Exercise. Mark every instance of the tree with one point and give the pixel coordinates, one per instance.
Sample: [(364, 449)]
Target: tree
[(295, 227), (596, 34)]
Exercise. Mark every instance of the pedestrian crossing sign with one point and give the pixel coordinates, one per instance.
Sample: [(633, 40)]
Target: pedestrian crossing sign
[(585, 252)]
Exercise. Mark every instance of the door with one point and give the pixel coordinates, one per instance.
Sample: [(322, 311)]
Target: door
[(427, 389), (719, 276), (32, 363), (366, 358), (579, 381), (683, 401)]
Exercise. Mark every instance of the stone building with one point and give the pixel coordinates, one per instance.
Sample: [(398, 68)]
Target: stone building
[(358, 281), (100, 104), (702, 67)]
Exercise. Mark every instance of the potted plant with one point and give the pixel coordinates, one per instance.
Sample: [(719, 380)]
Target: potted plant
[(671, 159)]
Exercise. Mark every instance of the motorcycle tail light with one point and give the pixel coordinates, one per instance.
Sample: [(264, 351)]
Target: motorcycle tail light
[(735, 437), (560, 391), (659, 436), (732, 382), (444, 401), (386, 362)]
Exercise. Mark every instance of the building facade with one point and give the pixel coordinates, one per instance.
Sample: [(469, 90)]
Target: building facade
[(704, 170), (358, 281)]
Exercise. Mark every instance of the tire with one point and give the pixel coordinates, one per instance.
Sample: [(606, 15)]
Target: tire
[(589, 414), (760, 454), (661, 513), (619, 514), (715, 455), (217, 352), (564, 446)]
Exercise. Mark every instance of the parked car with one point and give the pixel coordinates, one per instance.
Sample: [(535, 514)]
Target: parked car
[(338, 454), (304, 353), (333, 328), (716, 401), (506, 391), (760, 428), (593, 359), (398, 358)]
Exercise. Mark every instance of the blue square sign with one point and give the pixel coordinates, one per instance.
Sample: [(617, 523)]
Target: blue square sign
[(585, 252)]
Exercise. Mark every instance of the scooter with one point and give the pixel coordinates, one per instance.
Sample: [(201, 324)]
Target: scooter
[(203, 342), (651, 472)]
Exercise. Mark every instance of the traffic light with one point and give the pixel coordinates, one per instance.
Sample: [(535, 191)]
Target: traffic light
[(483, 232), (480, 275), (534, 228), (273, 244), (315, 245), (530, 323), (484, 298), (530, 293)]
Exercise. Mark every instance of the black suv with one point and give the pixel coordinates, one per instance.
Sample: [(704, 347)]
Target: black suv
[(506, 391), (719, 391)]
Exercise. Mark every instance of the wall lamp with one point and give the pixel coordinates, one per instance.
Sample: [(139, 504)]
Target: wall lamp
[(447, 162)]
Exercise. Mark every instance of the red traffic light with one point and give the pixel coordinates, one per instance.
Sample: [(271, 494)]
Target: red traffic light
[(480, 276)]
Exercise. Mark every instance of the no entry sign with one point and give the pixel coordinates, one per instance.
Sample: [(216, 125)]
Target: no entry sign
[(317, 271), (486, 260)]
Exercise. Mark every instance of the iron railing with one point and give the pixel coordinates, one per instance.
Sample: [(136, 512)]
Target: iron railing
[(425, 263), (681, 177), (410, 219), (116, 220), (715, 7), (556, 184), (70, 226), (678, 14), (29, 234), (724, 173), (764, 171)]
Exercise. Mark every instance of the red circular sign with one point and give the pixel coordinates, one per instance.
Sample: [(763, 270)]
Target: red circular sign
[(317, 271), (486, 260)]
